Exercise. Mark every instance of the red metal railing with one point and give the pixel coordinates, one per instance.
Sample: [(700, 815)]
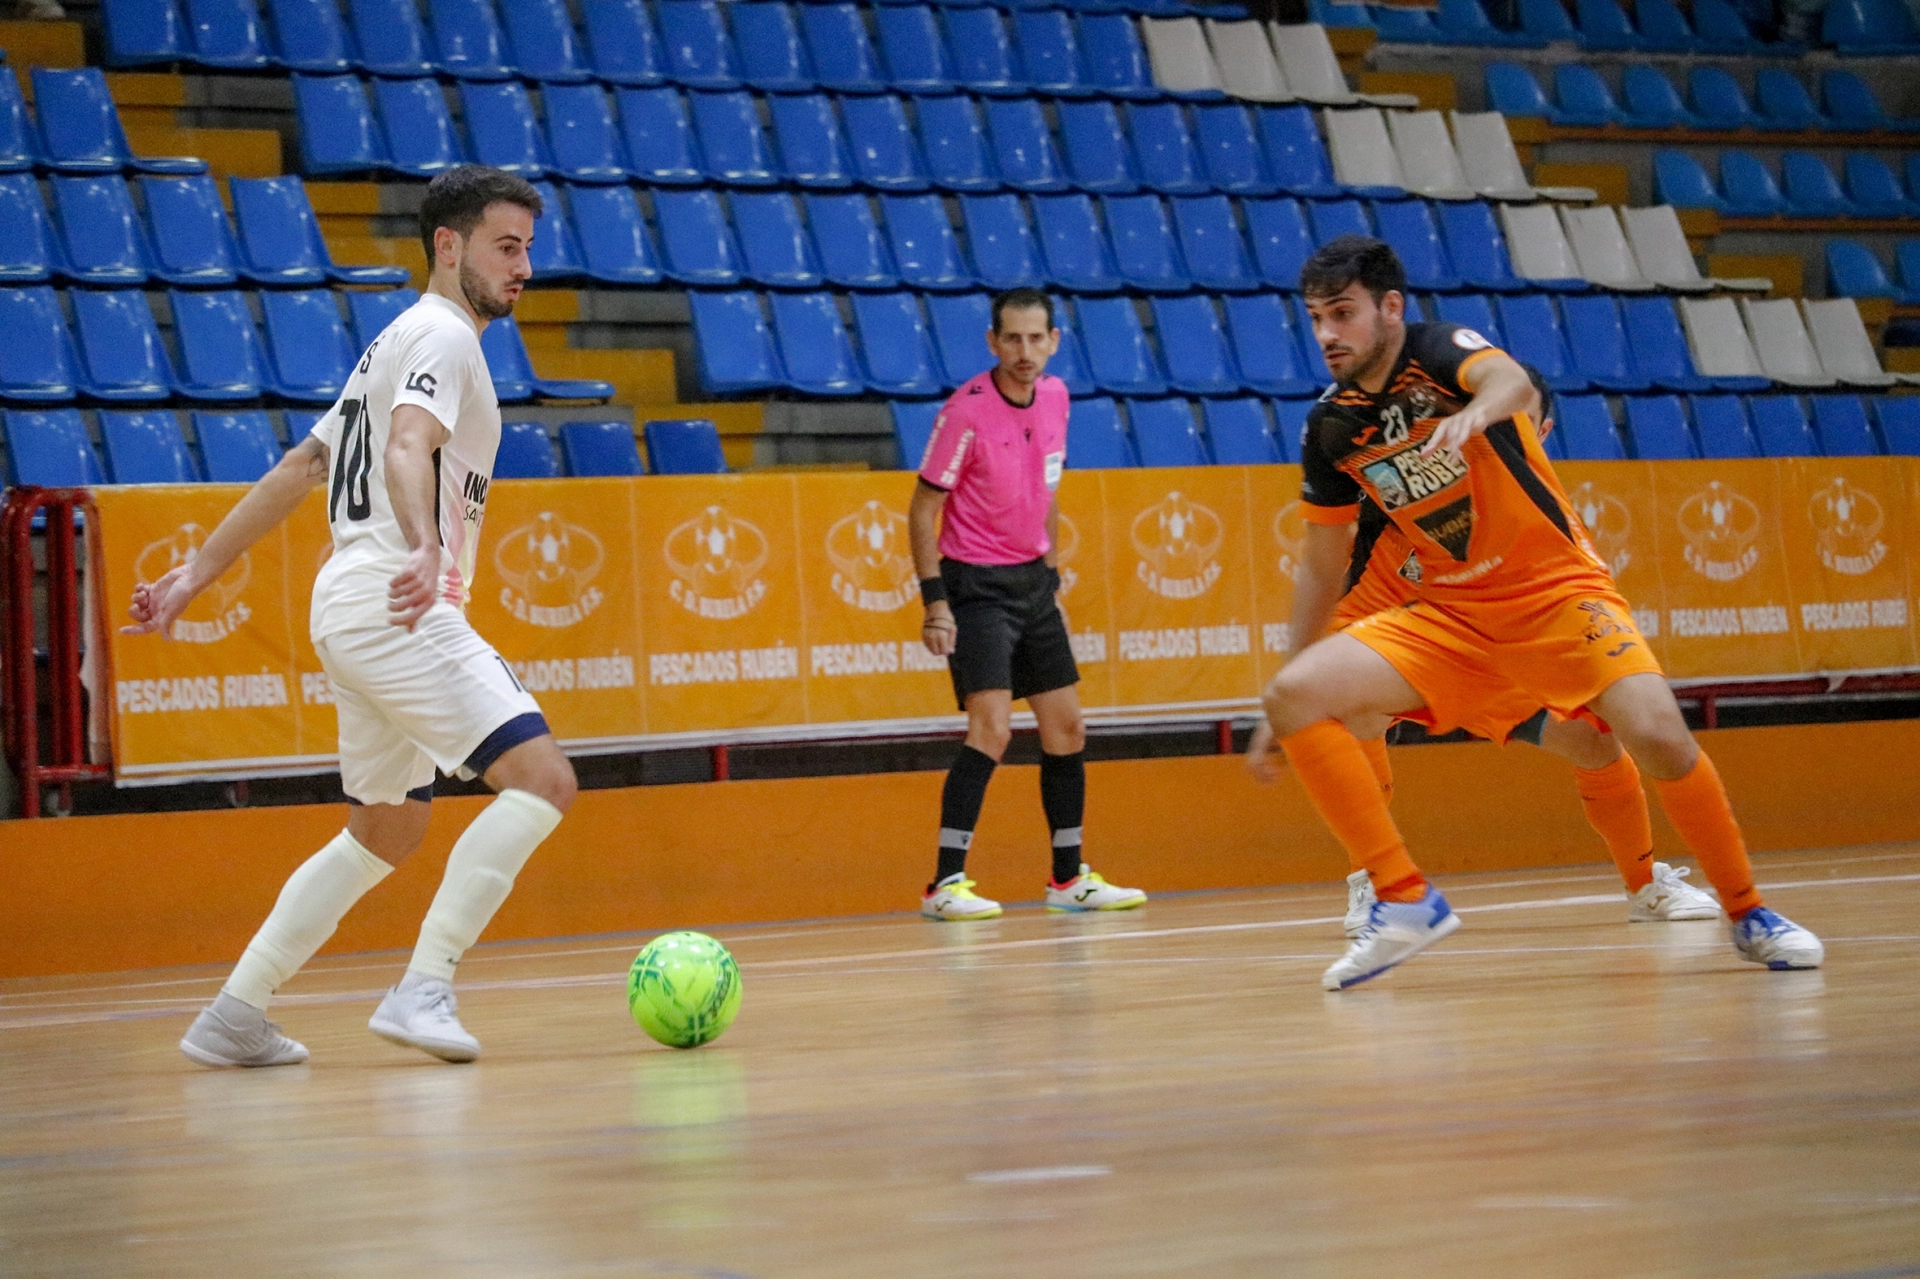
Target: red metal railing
[(66, 754)]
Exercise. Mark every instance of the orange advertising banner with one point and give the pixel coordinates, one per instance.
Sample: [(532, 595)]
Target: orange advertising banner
[(716, 608)]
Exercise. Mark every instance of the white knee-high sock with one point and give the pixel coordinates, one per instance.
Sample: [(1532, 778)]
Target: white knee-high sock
[(480, 872), (309, 909)]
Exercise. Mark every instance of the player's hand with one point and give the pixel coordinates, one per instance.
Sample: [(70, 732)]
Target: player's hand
[(1263, 761), (155, 607), (412, 591), (1453, 432), (939, 631)]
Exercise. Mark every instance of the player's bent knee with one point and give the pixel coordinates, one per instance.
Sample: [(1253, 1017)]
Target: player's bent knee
[(540, 768)]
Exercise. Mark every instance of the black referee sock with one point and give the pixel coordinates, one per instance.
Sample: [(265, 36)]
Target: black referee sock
[(1063, 793), (960, 801)]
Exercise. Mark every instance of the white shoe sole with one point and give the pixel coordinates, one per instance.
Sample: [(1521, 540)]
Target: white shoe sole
[(206, 1058), (1131, 903), (1689, 916), (445, 1050), (1442, 930), (960, 919)]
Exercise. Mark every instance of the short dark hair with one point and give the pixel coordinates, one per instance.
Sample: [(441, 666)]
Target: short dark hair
[(459, 198), (1020, 300), (1348, 258)]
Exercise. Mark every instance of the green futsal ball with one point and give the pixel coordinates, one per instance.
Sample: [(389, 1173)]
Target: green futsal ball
[(683, 989)]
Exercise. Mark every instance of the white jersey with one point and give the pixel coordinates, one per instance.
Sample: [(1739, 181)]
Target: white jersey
[(429, 356)]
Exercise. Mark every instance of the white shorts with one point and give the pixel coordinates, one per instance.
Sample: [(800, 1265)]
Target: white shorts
[(413, 700)]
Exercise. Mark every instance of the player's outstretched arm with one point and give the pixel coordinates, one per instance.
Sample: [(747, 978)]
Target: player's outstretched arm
[(266, 504), (1316, 592), (1500, 389), (413, 436), (938, 631)]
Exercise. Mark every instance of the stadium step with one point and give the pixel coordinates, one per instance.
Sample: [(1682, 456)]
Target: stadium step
[(1786, 270), (42, 44)]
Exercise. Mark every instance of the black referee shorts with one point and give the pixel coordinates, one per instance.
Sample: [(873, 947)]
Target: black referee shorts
[(1011, 634)]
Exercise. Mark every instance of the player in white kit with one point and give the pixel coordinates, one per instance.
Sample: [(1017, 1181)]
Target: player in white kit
[(407, 454)]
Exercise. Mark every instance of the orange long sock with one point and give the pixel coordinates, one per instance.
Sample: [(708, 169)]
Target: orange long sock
[(1333, 767), (1376, 749), (1616, 807), (1697, 806)]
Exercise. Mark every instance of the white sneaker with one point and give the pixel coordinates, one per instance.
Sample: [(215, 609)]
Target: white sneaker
[(1669, 897), (420, 1013), (1360, 901), (231, 1032), (1088, 891), (1776, 941), (953, 898), (1395, 931)]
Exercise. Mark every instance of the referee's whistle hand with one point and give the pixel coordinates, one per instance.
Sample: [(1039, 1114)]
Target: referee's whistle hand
[(939, 632)]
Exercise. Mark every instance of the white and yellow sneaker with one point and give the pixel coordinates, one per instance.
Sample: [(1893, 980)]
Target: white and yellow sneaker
[(1669, 897), (1088, 891), (953, 898)]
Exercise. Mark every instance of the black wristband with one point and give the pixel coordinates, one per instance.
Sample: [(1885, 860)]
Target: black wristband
[(932, 590), (1054, 575)]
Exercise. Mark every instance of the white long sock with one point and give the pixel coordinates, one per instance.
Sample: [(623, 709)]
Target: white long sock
[(480, 872), (316, 895)]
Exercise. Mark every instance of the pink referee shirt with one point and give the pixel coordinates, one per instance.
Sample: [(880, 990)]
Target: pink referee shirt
[(999, 464)]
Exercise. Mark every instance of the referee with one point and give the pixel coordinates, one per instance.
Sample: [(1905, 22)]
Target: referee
[(982, 525)]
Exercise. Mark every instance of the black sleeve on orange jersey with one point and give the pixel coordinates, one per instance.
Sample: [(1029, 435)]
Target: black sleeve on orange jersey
[(1441, 353), (1322, 483)]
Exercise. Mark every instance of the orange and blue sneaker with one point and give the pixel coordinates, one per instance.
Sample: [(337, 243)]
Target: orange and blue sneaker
[(1394, 931), (1088, 891), (953, 898)]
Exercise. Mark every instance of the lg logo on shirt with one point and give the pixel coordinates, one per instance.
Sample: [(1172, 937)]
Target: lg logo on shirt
[(423, 383)]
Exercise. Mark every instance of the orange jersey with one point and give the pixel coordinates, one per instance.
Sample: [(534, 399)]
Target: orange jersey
[(1491, 525)]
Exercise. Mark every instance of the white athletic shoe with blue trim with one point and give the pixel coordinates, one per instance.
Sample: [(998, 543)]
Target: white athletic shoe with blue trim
[(1765, 937), (1394, 931)]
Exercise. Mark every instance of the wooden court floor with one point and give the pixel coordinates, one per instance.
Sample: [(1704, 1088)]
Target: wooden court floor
[(1167, 1092)]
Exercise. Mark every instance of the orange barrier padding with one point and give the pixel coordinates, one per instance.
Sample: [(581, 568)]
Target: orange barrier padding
[(111, 893)]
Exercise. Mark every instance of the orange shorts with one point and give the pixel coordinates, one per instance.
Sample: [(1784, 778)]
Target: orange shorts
[(1479, 669)]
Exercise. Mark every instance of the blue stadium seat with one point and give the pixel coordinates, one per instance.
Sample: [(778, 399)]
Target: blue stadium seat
[(615, 245), (815, 348), (1122, 360), (696, 239), (913, 428), (1097, 438), (1585, 426), (772, 56), (1212, 245), (421, 139), (1660, 346), (925, 249), (659, 133), (1841, 423), (501, 128), (1875, 190), (1070, 363), (1681, 180), (583, 139), (1717, 100), (1145, 247), (1854, 272), (1241, 432), (1547, 20), (911, 47), (1230, 153), (18, 146), (1583, 98), (685, 446), (954, 141), (228, 35), (1164, 149), (467, 40), (897, 348), (280, 240), (734, 342), (121, 356), (1194, 346), (981, 51), (852, 250), (309, 355), (1309, 346), (601, 449), (886, 155), (1166, 434), (238, 448), (1785, 103), (1721, 423), (1653, 100), (526, 453), (1074, 245), (373, 312), (1748, 188), (1266, 348), (1869, 27), (1906, 257), (622, 45), (220, 354), (30, 253), (1534, 337), (774, 241), (513, 376), (1290, 423), (50, 449), (1005, 253), (1475, 310), (555, 252), (187, 231), (1658, 425), (1720, 28), (1780, 425), (1605, 25), (337, 130), (1404, 26), (1023, 147), (699, 52), (1899, 423), (1112, 58), (1282, 242), (541, 42), (732, 141), (1095, 144), (392, 37), (1334, 218), (1409, 227), (1295, 153), (812, 146), (1601, 353), (1050, 52), (300, 423), (37, 359), (1851, 104), (80, 127), (1465, 22), (959, 324), (840, 49), (138, 32), (1512, 90), (1811, 189), (146, 447)]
